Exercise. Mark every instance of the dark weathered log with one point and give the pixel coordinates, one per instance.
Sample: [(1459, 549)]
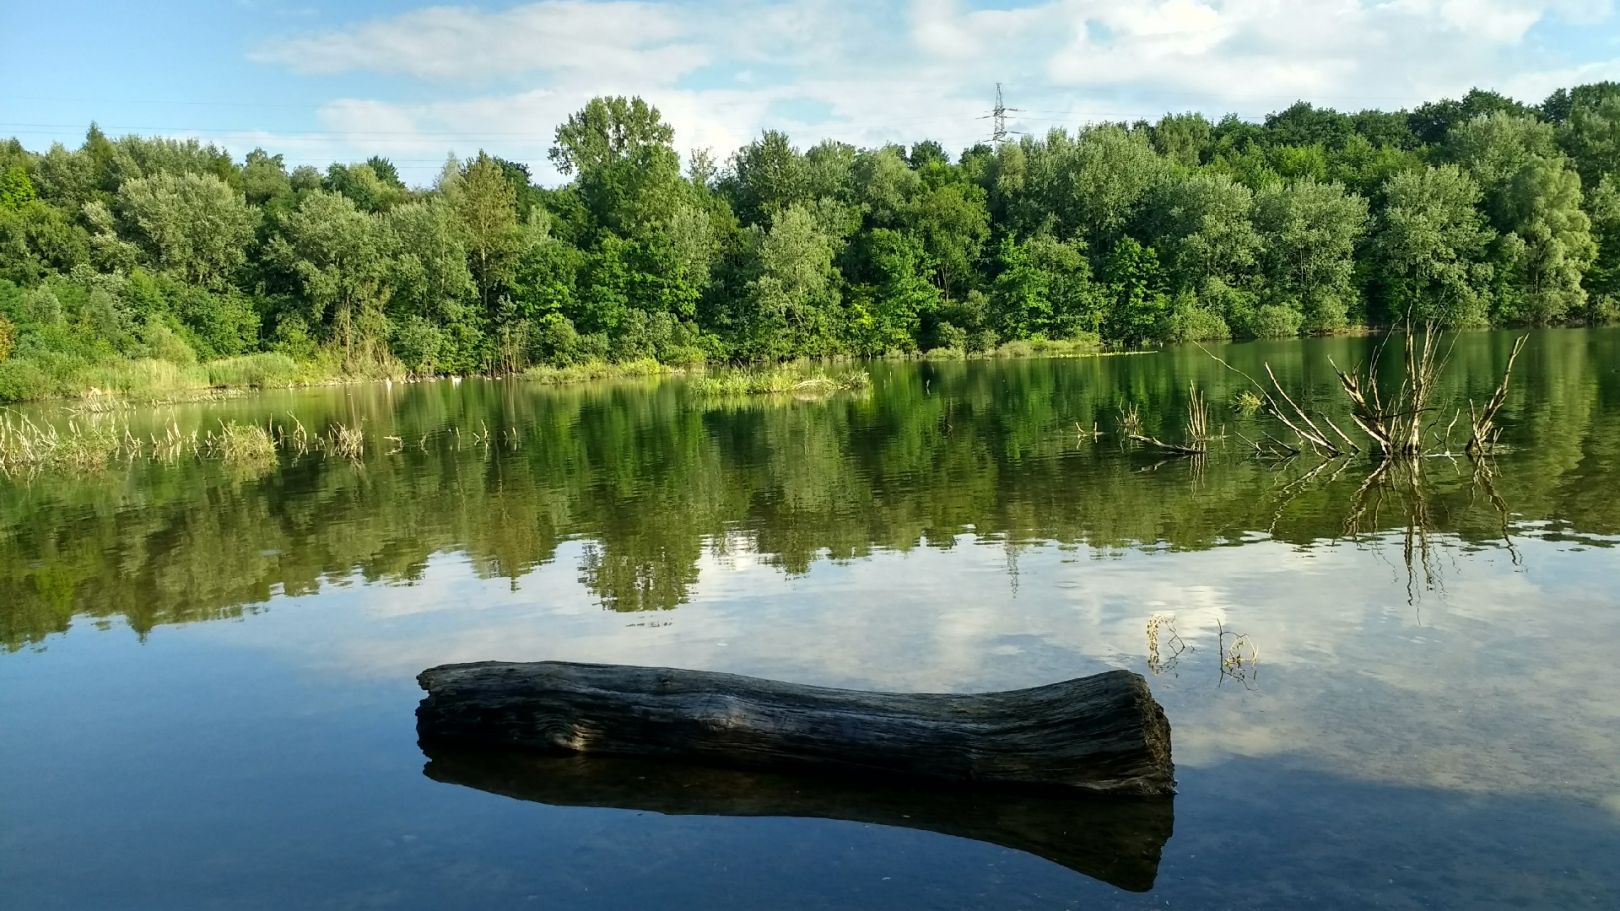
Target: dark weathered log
[(1116, 840), (1101, 734)]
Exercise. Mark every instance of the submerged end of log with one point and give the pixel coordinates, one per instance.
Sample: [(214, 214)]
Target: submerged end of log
[(1100, 734)]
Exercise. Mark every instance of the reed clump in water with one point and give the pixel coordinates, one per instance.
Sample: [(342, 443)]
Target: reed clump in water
[(348, 441), (27, 447), (1246, 402), (241, 444), (89, 443)]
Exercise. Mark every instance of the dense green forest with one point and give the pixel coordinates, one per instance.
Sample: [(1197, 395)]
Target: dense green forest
[(143, 264)]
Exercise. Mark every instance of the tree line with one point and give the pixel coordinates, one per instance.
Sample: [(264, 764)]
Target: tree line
[(152, 251)]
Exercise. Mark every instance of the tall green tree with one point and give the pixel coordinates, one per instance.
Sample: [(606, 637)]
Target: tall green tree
[(1311, 232), (953, 223), (790, 298), (621, 153), (1202, 225), (433, 290), (486, 206), (336, 260), (1532, 196), (766, 177), (192, 225), (1603, 278), (1430, 249), (1137, 289), (1044, 287)]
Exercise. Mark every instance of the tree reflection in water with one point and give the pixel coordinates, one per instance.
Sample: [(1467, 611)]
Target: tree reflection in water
[(655, 483)]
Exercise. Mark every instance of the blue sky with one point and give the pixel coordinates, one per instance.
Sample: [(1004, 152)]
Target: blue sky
[(416, 82)]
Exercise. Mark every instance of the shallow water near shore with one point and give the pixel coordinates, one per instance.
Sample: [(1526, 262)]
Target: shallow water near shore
[(207, 670)]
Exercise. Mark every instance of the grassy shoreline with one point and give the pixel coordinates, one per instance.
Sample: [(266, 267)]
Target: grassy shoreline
[(150, 381)]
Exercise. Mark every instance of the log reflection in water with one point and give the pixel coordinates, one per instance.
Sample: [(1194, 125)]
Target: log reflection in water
[(1118, 841)]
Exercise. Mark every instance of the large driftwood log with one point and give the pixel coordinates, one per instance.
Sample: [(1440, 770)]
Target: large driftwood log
[(1116, 840), (1102, 734)]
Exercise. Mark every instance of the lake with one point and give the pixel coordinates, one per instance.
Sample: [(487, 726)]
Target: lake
[(1389, 690)]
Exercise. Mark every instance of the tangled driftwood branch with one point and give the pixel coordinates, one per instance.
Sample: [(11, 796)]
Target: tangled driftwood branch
[(1397, 427), (1397, 424)]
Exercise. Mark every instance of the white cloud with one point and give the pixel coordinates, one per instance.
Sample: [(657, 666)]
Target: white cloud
[(1247, 51), (937, 27), (866, 74), (645, 41)]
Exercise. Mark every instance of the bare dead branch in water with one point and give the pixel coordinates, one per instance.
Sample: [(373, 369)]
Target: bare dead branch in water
[(1175, 448), (1397, 424), (1130, 420), (1197, 428), (1485, 433), (1197, 415), (1295, 418), (1397, 427)]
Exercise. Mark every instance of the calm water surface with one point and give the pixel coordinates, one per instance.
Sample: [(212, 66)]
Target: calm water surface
[(206, 673)]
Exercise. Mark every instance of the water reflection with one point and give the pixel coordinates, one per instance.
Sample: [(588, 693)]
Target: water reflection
[(1116, 841), (1432, 722), (654, 481)]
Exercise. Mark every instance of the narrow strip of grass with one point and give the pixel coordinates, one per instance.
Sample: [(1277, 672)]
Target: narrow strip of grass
[(779, 381), (596, 370)]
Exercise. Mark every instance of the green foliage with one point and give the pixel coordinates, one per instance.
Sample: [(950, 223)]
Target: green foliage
[(887, 313), (264, 178), (1192, 321), (334, 257), (1312, 230), (1470, 211), (419, 345), (622, 156), (24, 380), (16, 190), (1431, 246), (259, 371), (1591, 133), (1183, 138), (1273, 320), (143, 379), (486, 206), (595, 370), (1045, 288), (1603, 279), (373, 186), (194, 226), (1203, 226), (789, 299), (1135, 286)]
